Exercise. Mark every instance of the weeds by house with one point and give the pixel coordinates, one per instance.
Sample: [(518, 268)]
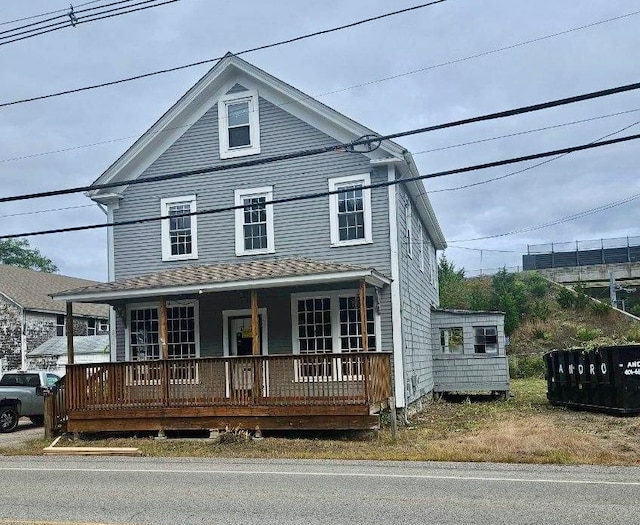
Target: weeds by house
[(523, 429)]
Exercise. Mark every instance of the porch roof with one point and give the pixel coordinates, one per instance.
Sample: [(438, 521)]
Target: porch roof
[(271, 273)]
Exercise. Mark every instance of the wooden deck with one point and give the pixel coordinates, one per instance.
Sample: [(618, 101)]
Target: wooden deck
[(331, 391)]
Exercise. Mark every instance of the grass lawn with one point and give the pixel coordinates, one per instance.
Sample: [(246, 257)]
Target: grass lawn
[(524, 429)]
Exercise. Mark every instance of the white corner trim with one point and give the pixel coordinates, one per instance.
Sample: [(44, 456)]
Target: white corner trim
[(239, 195), (336, 183), (251, 97), (264, 333), (396, 314), (164, 227)]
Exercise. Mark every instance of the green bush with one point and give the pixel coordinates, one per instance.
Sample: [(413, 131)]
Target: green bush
[(566, 298), (539, 310), (635, 310), (537, 285), (634, 334), (526, 366), (587, 333)]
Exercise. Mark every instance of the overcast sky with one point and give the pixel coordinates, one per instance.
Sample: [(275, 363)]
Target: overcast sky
[(190, 30)]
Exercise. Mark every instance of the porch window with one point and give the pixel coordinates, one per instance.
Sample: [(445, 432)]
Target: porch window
[(486, 339), (350, 210), (179, 231), (144, 334), (452, 340), (254, 222), (329, 326)]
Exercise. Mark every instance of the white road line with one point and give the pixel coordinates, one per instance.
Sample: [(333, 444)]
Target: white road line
[(324, 474)]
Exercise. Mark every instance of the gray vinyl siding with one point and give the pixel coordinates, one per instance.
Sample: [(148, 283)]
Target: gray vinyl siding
[(277, 301), (301, 228), (418, 294), (469, 371)]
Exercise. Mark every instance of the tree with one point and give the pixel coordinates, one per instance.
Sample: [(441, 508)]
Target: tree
[(19, 253), (453, 289)]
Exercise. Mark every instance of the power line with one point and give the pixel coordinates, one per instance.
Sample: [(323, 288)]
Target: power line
[(376, 141), (316, 195), (210, 60), (83, 20), (562, 220), (45, 14), (414, 153), (49, 210), (528, 168)]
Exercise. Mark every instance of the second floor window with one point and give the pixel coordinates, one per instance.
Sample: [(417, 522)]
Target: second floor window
[(350, 210), (179, 231), (60, 324), (254, 221)]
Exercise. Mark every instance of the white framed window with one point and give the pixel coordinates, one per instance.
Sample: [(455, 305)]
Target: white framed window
[(179, 231), (326, 326), (421, 247), (350, 210), (142, 342), (433, 262), (103, 325), (239, 124), (91, 327), (254, 222), (452, 340), (408, 217)]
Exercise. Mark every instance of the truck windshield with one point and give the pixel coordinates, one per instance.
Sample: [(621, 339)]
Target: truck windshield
[(32, 380)]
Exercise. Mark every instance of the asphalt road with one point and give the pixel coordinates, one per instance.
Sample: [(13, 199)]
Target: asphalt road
[(199, 491)]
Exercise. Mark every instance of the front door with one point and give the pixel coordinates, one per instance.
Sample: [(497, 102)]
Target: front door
[(243, 375)]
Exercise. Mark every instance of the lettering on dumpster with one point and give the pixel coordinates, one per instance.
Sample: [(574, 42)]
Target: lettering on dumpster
[(633, 368), (592, 368)]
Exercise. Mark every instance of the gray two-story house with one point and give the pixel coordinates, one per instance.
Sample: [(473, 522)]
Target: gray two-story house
[(244, 305)]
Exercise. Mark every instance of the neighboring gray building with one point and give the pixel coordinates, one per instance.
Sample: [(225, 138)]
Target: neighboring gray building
[(307, 258), (52, 354), (29, 316)]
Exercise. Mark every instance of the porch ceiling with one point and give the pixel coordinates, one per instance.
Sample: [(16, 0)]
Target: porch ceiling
[(271, 273)]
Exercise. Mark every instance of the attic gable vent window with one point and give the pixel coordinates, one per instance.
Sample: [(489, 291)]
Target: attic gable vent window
[(239, 124)]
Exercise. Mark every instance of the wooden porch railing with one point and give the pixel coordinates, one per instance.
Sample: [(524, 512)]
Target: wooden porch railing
[(277, 380)]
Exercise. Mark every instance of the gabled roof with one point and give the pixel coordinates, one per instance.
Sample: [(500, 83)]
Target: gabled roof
[(82, 345), (228, 72), (30, 290), (225, 277)]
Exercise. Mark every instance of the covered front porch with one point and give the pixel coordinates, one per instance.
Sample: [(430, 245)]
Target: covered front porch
[(297, 345)]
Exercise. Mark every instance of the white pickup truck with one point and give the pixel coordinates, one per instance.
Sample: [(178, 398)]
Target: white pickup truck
[(21, 395)]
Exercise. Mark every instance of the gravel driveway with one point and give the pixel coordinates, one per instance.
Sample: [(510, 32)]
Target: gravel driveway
[(25, 431)]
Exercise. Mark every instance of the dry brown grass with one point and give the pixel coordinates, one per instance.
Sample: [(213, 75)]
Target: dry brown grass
[(524, 429)]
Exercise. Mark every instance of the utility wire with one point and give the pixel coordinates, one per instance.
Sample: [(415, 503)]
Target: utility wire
[(562, 220), (47, 210), (528, 168), (46, 14), (370, 142), (92, 18), (282, 42), (317, 195), (414, 153)]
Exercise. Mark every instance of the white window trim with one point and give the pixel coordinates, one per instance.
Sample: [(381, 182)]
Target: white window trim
[(166, 242), (421, 245), (254, 124), (335, 184), (267, 192), (137, 306), (408, 217)]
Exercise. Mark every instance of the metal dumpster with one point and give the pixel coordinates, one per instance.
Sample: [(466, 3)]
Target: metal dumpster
[(605, 379)]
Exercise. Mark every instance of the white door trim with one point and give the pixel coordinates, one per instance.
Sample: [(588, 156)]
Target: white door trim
[(264, 333)]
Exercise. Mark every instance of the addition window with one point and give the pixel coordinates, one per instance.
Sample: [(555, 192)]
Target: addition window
[(350, 210), (239, 126), (179, 230), (452, 340), (103, 326), (60, 324), (254, 222), (485, 339)]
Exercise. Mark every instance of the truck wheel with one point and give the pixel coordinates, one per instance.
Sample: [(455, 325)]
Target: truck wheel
[(8, 419), (37, 420)]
